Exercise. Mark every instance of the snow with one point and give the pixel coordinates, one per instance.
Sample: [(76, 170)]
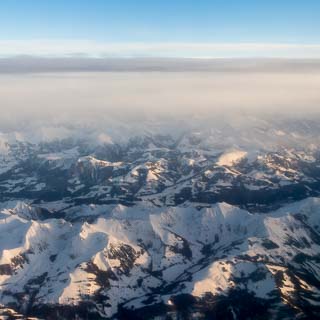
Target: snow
[(214, 279), (151, 176), (231, 158), (156, 237), (98, 163), (198, 247)]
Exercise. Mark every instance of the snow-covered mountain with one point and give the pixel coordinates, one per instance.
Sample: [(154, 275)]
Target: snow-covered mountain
[(129, 262), (214, 222)]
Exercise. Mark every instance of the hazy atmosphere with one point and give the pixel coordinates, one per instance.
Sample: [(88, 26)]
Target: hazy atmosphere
[(54, 90)]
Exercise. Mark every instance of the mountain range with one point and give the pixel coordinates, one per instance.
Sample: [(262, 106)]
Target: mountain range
[(214, 220)]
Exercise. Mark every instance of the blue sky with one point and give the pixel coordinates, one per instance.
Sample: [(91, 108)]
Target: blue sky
[(154, 22)]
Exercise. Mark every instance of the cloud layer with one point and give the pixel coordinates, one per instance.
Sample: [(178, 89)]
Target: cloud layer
[(32, 64), (34, 94), (87, 48)]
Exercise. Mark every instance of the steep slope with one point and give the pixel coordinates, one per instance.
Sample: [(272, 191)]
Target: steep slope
[(156, 259)]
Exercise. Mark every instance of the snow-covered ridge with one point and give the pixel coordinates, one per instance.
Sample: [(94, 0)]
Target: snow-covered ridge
[(157, 170), (126, 253)]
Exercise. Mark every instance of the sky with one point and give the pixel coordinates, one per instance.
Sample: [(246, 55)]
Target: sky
[(48, 74), (169, 28)]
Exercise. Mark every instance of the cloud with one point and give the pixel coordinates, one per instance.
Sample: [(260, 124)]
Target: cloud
[(33, 64), (74, 48), (42, 96), (101, 94)]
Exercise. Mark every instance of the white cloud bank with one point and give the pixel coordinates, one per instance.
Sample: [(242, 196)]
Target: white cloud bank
[(93, 96), (53, 96), (67, 48)]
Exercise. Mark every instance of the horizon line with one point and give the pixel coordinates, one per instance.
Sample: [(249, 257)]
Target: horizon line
[(198, 50), (36, 64)]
